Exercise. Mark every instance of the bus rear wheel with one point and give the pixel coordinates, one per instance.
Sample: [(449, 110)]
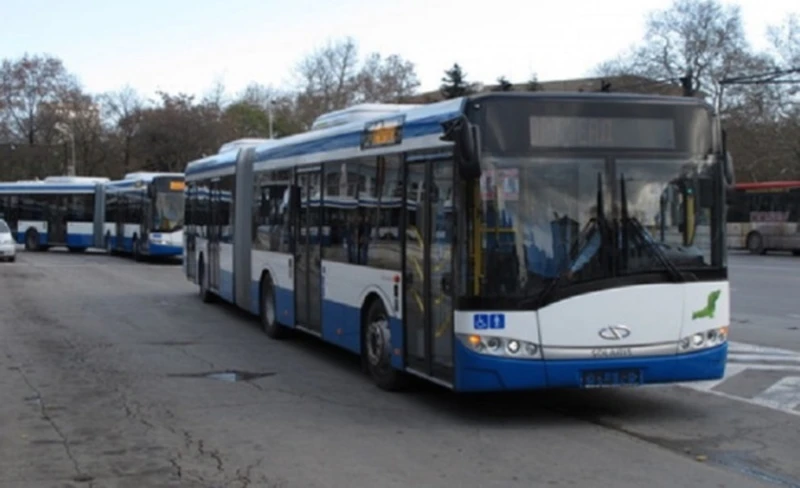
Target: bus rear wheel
[(269, 312), (755, 243), (32, 240), (377, 340), (205, 294)]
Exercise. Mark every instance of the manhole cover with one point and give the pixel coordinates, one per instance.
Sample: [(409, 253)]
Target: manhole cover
[(230, 376)]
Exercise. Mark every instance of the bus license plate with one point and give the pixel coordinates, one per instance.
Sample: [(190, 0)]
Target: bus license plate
[(605, 379)]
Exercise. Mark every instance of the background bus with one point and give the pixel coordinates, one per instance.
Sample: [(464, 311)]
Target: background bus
[(765, 216), (472, 279), (142, 215), (56, 211)]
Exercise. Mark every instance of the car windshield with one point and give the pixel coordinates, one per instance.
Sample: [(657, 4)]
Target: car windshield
[(168, 211), (588, 219), (4, 229)]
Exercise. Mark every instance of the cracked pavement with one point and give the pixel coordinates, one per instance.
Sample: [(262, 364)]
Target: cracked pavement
[(101, 365)]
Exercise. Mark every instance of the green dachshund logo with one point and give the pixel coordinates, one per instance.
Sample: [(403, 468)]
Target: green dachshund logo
[(710, 308)]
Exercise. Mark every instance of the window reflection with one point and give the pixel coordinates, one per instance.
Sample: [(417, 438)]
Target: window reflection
[(540, 220)]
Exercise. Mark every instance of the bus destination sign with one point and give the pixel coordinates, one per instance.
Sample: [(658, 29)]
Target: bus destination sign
[(386, 132), (601, 132)]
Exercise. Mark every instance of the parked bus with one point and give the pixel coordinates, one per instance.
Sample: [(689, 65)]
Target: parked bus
[(57, 211), (503, 241), (765, 216), (142, 215)]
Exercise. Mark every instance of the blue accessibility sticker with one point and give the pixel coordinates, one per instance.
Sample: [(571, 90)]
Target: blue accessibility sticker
[(484, 321)]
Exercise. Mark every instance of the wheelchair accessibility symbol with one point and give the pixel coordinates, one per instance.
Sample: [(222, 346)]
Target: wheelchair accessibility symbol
[(486, 321)]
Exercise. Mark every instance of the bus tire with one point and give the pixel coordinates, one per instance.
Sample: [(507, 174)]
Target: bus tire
[(76, 249), (205, 294), (268, 311), (136, 248), (377, 348), (755, 243), (32, 240), (107, 243)]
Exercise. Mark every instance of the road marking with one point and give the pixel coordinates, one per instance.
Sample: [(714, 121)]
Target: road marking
[(756, 358), (783, 395)]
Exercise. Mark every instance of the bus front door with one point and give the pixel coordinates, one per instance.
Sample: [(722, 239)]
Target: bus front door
[(429, 234), (308, 262)]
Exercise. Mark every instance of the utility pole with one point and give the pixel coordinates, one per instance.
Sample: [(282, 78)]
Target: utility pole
[(270, 104)]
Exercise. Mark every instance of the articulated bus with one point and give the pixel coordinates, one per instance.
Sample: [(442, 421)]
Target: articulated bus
[(142, 215), (57, 211), (502, 241), (765, 216)]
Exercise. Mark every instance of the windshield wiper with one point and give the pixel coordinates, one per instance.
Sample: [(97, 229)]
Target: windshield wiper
[(672, 270), (547, 293)]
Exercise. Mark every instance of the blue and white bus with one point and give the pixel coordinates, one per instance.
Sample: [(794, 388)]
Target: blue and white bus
[(58, 211), (503, 241), (142, 215)]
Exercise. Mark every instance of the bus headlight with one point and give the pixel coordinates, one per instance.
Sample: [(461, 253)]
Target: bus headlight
[(703, 340), (500, 346)]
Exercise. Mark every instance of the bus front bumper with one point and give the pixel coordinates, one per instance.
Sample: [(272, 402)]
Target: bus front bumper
[(477, 372)]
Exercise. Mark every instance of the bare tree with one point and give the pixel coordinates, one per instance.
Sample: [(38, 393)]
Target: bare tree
[(26, 84), (785, 40), (329, 75), (703, 38), (390, 79), (122, 112), (333, 77)]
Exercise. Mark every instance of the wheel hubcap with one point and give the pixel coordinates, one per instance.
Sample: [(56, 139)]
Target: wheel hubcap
[(269, 309), (378, 338)]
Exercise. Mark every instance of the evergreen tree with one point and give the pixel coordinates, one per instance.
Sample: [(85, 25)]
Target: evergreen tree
[(504, 85), (533, 83), (454, 83)]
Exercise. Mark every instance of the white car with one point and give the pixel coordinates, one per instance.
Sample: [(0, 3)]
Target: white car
[(8, 248)]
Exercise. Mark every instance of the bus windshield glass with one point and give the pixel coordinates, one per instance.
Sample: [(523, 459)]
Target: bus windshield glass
[(606, 201), (168, 210)]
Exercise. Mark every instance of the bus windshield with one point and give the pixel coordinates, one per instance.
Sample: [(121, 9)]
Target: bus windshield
[(541, 220), (579, 191), (168, 210)]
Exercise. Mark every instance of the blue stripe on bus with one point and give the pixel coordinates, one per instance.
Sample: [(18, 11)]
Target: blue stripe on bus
[(164, 250), (478, 372), (335, 316), (73, 240)]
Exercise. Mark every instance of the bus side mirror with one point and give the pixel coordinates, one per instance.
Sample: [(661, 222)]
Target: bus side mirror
[(466, 140), (728, 170)]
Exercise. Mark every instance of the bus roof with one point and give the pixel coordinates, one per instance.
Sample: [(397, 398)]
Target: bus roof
[(766, 185), (419, 122), (51, 186), (343, 140), (131, 180)]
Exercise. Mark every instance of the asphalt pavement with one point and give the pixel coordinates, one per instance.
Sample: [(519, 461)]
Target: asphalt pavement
[(114, 374)]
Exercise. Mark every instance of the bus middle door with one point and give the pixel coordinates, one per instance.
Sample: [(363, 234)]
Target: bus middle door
[(214, 235), (57, 220)]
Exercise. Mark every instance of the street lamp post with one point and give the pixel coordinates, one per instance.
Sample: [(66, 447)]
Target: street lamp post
[(65, 130)]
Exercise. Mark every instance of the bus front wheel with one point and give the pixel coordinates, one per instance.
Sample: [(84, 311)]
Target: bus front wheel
[(378, 348)]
